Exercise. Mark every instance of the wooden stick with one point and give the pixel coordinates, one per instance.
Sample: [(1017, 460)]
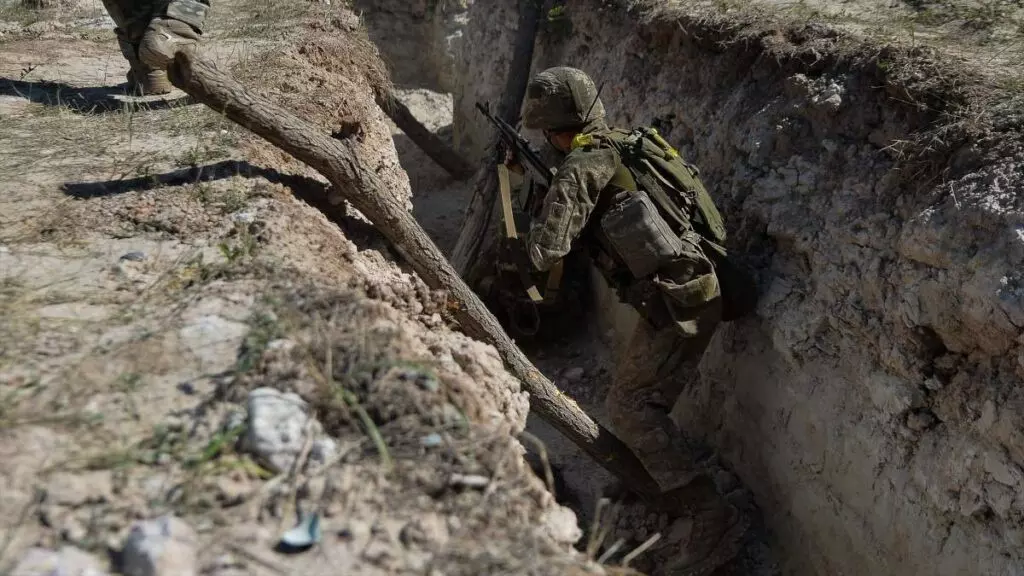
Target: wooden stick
[(360, 185), (438, 151), (474, 238)]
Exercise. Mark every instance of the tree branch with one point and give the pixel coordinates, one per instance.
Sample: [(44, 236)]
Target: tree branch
[(360, 185)]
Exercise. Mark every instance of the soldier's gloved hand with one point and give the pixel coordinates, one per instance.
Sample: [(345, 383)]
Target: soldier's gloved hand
[(512, 160)]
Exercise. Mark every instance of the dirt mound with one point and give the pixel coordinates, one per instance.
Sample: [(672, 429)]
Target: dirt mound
[(191, 351)]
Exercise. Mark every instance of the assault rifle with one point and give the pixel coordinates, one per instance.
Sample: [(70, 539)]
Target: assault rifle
[(519, 145), (520, 148)]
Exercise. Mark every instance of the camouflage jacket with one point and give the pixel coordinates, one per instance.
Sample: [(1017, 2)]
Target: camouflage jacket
[(570, 201), (684, 295)]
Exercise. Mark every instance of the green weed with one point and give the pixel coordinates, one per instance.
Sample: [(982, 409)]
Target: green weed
[(264, 329)]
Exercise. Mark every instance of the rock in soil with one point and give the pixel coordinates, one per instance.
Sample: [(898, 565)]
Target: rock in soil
[(165, 546), (276, 431)]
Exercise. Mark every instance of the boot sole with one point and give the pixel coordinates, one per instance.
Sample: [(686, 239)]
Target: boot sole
[(174, 95), (729, 545)]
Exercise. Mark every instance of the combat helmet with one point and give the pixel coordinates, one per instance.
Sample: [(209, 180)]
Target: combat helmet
[(559, 99)]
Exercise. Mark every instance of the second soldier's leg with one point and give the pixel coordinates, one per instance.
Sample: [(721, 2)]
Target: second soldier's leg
[(178, 25), (149, 30), (130, 20)]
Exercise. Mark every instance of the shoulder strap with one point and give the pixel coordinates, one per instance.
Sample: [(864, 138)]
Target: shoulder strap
[(638, 155)]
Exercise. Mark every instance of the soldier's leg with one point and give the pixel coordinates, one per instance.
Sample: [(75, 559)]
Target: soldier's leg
[(177, 26), (645, 385), (655, 366), (148, 28)]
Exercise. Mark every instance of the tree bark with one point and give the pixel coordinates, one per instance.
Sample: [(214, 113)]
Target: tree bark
[(440, 152), (360, 185), (473, 237)]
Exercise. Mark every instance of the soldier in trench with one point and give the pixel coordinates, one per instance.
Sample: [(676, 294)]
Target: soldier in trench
[(593, 201), (149, 32)]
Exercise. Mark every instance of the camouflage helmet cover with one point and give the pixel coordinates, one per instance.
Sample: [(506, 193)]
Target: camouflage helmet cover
[(559, 98)]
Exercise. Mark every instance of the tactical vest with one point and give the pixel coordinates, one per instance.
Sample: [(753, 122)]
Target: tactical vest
[(647, 162)]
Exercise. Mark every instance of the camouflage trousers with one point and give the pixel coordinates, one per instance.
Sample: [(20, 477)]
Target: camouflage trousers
[(652, 372), (133, 16)]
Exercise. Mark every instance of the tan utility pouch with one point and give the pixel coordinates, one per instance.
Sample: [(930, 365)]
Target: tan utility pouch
[(638, 233), (690, 286)]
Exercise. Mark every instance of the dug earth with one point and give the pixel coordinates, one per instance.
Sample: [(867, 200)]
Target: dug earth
[(874, 404)]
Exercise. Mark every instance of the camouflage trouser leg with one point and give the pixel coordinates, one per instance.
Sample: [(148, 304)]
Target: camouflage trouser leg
[(650, 375), (132, 17)]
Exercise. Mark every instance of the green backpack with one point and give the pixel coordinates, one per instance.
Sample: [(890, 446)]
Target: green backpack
[(675, 186)]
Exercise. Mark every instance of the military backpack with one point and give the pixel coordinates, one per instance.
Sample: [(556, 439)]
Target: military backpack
[(682, 203)]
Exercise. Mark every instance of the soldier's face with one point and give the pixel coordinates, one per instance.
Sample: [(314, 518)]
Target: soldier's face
[(558, 140)]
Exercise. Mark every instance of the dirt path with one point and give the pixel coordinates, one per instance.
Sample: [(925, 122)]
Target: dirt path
[(438, 199)]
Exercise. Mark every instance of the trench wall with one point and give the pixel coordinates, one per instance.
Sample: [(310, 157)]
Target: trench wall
[(417, 39), (874, 403)]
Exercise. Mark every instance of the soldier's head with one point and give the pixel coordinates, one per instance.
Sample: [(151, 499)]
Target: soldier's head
[(560, 101)]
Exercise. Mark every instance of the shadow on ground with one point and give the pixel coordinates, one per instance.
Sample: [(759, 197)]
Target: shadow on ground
[(82, 100), (309, 190)]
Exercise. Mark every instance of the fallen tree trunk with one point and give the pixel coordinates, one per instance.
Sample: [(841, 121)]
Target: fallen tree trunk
[(361, 186), (473, 238), (440, 152)]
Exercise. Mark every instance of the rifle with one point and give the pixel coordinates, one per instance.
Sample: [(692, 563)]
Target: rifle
[(513, 245), (513, 140)]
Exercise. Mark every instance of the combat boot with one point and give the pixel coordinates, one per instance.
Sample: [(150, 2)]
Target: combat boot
[(709, 530), (143, 80), (179, 27)]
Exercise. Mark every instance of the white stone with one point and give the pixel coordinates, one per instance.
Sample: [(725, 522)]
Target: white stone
[(561, 524), (165, 546), (276, 426)]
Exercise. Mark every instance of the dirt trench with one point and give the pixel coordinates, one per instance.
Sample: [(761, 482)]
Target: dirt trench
[(578, 356), (871, 406)]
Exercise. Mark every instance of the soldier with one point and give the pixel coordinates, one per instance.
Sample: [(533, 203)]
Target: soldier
[(649, 245), (149, 32)]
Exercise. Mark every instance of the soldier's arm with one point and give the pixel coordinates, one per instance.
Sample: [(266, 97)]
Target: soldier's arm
[(568, 204)]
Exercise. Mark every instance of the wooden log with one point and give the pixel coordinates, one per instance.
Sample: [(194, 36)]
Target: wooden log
[(360, 185), (474, 237), (440, 152)]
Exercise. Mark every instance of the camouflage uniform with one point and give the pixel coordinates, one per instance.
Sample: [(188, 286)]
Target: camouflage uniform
[(148, 32), (665, 347), (667, 344)]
